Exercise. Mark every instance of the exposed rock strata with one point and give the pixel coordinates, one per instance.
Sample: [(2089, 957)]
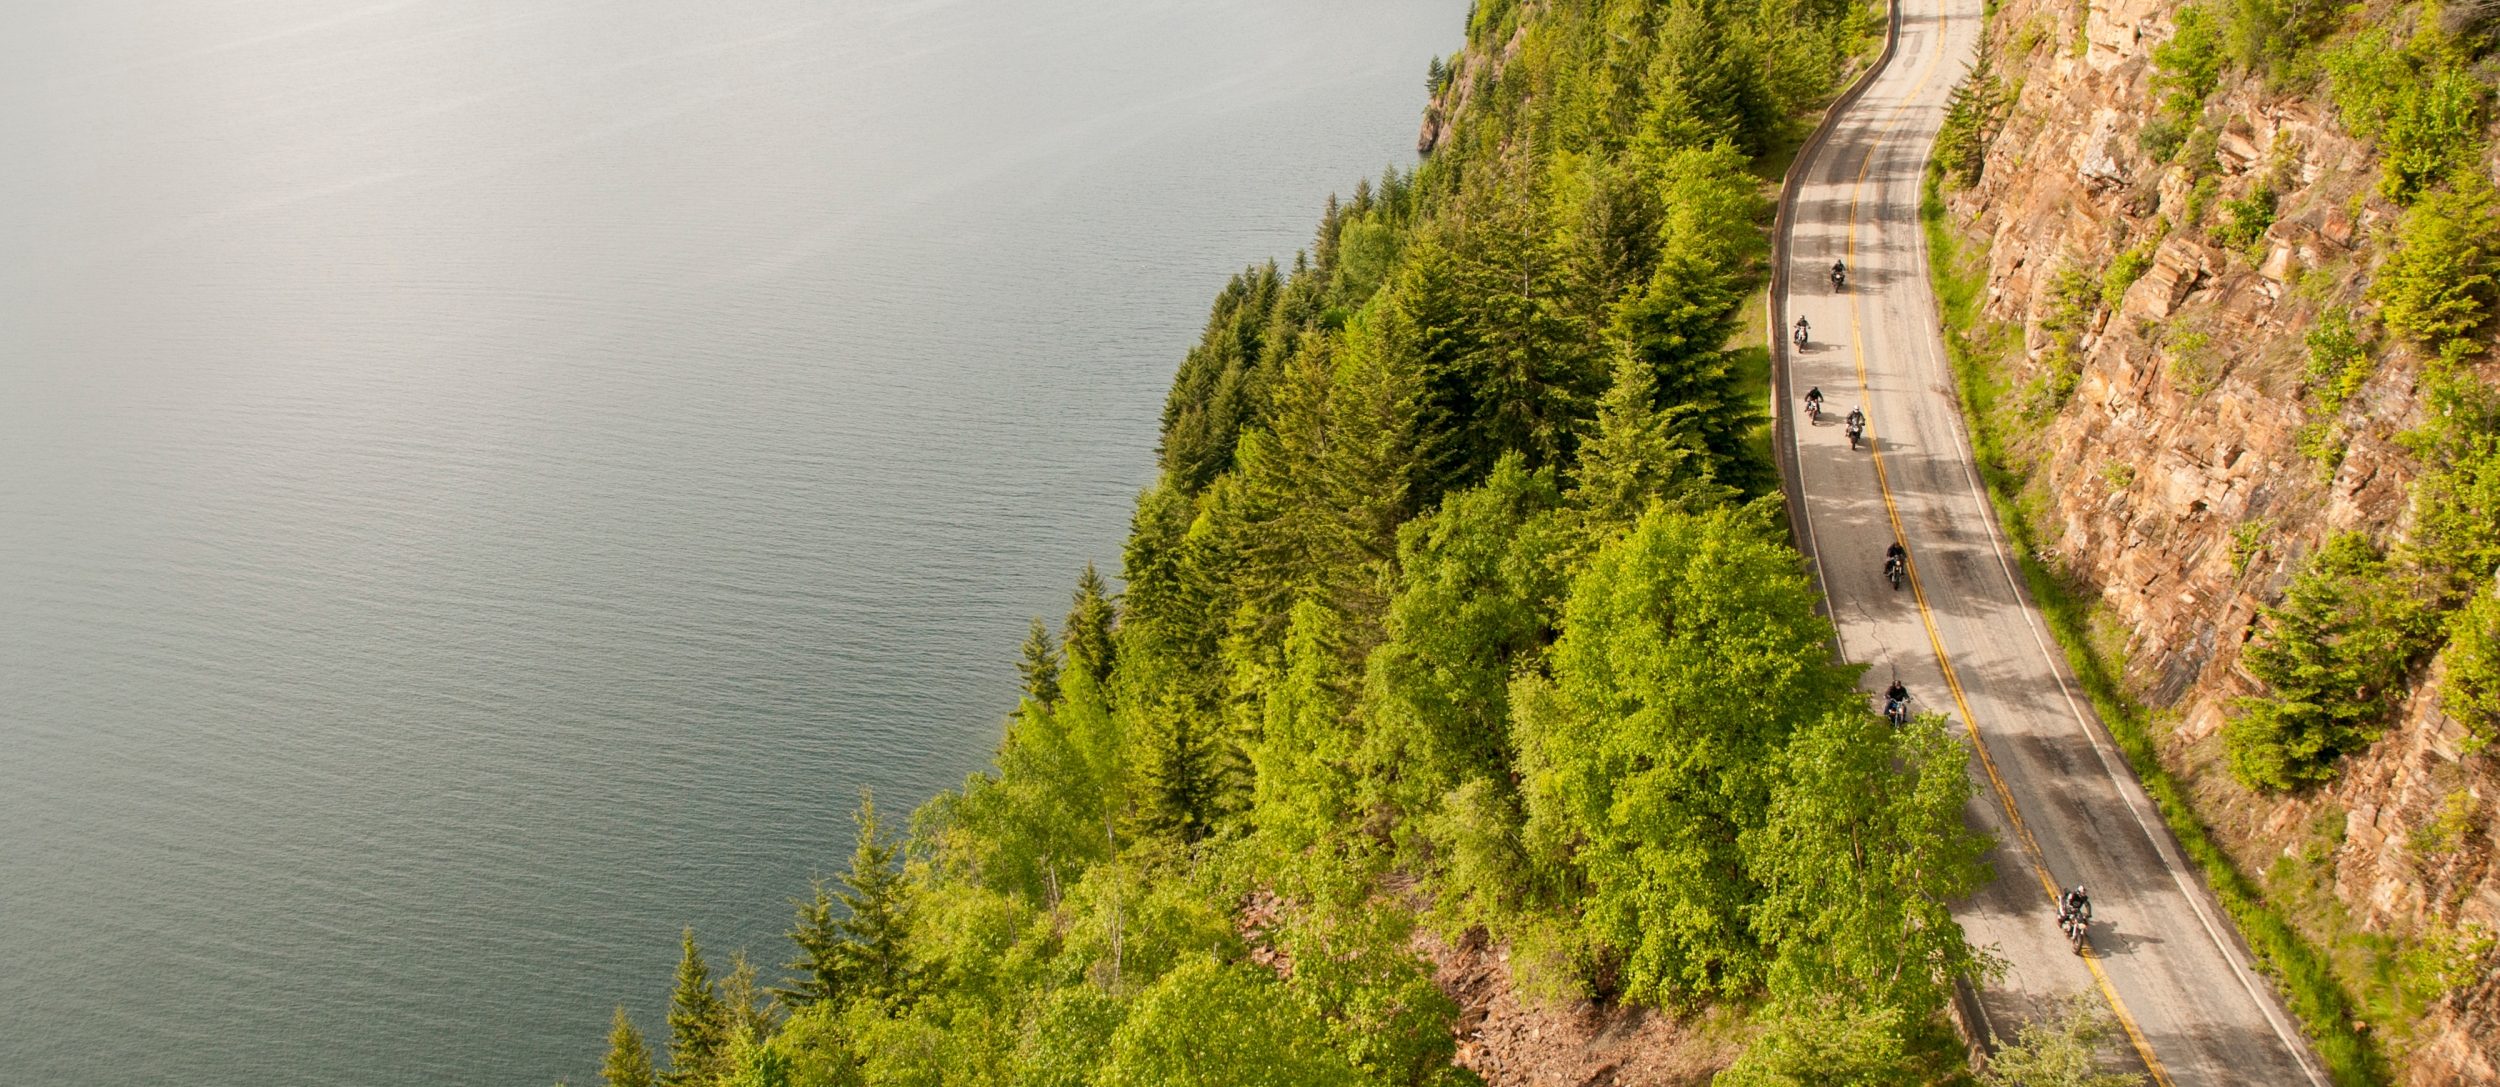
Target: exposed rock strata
[(2173, 482)]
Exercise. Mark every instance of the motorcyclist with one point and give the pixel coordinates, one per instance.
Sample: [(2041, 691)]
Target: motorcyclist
[(2075, 907), (1801, 330), (1896, 553), (1839, 271), (1857, 417), (1814, 401), (1896, 702)]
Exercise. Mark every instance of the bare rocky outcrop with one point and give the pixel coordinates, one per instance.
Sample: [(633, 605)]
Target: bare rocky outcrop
[(2173, 480), (1513, 1041)]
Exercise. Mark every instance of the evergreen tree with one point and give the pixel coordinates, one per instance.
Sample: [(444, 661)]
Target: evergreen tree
[(696, 1040), (1040, 666), (863, 954), (1178, 771), (629, 1061), (1087, 634), (1637, 458)]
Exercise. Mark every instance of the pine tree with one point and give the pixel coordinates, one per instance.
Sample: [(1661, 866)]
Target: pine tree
[(1178, 766), (1040, 665), (696, 1041), (629, 1060), (1636, 458), (1087, 635), (864, 953)]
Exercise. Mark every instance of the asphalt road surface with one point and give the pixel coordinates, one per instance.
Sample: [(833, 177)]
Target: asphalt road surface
[(2053, 789)]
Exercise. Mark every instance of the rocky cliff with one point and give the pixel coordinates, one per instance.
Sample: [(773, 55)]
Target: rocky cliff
[(2155, 397)]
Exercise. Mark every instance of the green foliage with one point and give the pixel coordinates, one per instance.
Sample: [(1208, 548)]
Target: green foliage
[(2189, 66), (2201, 198), (2418, 101), (2439, 285), (1972, 117), (2339, 364), (2248, 542), (1861, 853), (1087, 632), (2130, 266), (2191, 363), (1833, 1042), (1690, 654), (1211, 1025), (2472, 693), (2245, 219), (1332, 664), (2333, 657), (629, 1061), (697, 1021), (1040, 665), (863, 953), (2061, 1050)]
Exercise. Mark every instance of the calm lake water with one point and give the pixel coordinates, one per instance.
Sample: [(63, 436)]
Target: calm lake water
[(482, 484)]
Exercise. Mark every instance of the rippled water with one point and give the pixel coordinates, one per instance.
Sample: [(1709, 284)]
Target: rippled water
[(482, 484)]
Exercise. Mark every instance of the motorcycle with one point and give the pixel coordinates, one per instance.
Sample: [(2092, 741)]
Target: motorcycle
[(2077, 927), (1856, 430), (1814, 410), (1895, 570), (1897, 711), (1800, 337), (1840, 280)]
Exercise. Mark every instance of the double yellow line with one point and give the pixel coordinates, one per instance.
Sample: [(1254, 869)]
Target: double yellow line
[(1944, 662)]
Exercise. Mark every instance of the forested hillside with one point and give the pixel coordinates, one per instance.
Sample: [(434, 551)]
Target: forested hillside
[(1458, 603)]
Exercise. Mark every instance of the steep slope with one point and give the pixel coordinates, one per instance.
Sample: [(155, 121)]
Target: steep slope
[(2185, 364)]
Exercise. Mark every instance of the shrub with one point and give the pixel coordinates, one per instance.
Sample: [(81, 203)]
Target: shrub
[(2200, 198), (2333, 656), (2160, 137), (2246, 219), (2472, 695), (1971, 118), (2424, 109), (2189, 65), (2130, 266), (2192, 365), (2338, 365), (2439, 284)]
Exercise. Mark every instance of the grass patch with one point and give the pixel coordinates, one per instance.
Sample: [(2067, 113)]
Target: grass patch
[(2303, 972)]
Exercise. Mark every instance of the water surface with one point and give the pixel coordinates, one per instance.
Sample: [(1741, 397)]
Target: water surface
[(483, 484)]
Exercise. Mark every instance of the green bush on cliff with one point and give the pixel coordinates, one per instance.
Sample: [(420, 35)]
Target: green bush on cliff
[(2443, 278), (2417, 101), (2334, 657), (2473, 684)]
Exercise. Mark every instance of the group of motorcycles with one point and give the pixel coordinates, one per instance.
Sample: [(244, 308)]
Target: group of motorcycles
[(2074, 908)]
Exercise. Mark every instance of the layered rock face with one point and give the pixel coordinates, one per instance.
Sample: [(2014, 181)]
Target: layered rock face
[(2186, 475)]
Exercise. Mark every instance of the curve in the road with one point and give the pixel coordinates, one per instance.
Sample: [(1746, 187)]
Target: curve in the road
[(1970, 604)]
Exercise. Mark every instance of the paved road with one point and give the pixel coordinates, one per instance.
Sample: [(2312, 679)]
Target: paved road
[(1964, 638)]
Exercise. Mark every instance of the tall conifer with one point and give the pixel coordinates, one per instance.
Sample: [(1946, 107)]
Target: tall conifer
[(695, 1041), (1040, 666), (629, 1060), (1087, 635), (863, 953)]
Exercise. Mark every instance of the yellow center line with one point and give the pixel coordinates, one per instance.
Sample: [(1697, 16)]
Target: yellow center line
[(1935, 641)]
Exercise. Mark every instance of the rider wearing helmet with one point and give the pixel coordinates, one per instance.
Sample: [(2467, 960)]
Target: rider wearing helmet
[(1857, 417), (2075, 905)]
